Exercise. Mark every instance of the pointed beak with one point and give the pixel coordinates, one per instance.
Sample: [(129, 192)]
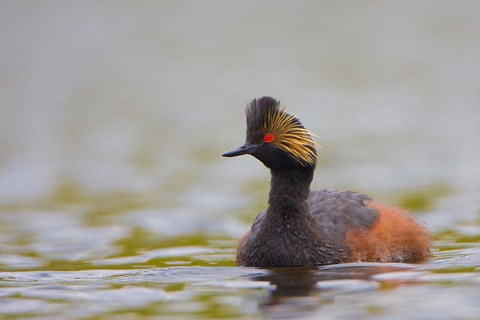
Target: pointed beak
[(245, 149)]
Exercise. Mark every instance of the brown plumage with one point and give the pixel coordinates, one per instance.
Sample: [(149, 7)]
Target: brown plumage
[(303, 228)]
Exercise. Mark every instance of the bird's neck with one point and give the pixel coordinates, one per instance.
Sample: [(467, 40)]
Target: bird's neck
[(289, 191), (288, 234)]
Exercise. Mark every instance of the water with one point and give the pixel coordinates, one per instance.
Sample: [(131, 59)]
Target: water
[(116, 204)]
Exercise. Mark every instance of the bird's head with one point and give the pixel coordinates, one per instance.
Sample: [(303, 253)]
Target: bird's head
[(276, 138)]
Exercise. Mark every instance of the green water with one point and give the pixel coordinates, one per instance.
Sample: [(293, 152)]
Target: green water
[(115, 202)]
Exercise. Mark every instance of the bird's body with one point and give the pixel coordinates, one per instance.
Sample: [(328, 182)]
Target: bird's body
[(305, 228)]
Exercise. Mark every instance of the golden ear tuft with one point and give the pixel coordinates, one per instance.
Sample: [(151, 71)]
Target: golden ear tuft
[(290, 136)]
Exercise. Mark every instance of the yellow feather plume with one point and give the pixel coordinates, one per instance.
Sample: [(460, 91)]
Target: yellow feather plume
[(291, 136)]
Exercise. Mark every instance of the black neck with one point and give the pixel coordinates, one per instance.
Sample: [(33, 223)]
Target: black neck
[(287, 234), (289, 191)]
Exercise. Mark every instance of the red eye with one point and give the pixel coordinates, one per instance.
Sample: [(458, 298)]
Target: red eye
[(268, 138)]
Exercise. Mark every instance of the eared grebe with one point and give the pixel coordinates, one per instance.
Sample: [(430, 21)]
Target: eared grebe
[(306, 228)]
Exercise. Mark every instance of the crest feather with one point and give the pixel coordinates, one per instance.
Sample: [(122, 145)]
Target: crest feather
[(265, 115)]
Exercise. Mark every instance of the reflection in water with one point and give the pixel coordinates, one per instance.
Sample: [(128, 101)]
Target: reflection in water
[(300, 291), (290, 296)]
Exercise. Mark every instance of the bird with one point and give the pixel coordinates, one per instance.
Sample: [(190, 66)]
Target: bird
[(302, 227)]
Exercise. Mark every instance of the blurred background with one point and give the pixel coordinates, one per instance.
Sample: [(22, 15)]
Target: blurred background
[(114, 116)]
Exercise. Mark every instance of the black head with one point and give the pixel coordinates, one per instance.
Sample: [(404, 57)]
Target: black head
[(276, 138)]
